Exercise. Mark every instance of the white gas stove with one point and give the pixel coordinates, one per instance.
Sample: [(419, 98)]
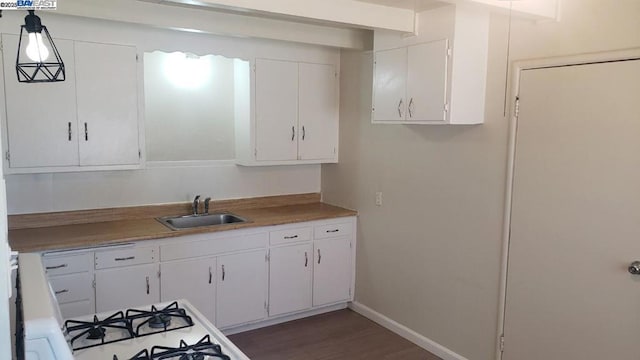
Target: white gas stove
[(173, 330)]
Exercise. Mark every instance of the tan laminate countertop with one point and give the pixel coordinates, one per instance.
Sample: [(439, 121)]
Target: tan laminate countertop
[(113, 232)]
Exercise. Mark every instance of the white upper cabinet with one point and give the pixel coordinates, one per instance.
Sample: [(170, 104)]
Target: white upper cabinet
[(87, 122), (41, 118), (318, 112), (276, 110), (295, 119), (437, 76), (107, 97)]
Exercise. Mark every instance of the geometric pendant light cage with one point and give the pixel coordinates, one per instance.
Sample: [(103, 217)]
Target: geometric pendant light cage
[(38, 59)]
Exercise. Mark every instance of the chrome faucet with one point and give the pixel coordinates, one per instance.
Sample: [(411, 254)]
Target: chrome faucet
[(196, 204), (206, 205)]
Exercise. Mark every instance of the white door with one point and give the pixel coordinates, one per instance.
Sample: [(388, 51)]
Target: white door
[(106, 80), (575, 224), (332, 271), (390, 85), (193, 280), (427, 81), (41, 118), (127, 287), (276, 108), (241, 288), (290, 278), (318, 112)]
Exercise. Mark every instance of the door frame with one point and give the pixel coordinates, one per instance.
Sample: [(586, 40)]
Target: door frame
[(513, 92)]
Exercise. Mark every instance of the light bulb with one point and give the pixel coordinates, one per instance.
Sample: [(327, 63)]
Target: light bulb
[(36, 49)]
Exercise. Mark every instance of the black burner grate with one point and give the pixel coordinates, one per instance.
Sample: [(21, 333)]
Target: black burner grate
[(96, 329), (203, 349), (159, 319)]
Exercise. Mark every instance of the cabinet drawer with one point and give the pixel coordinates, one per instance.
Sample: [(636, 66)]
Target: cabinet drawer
[(290, 235), (125, 257), (212, 247), (332, 230), (74, 287), (60, 265)]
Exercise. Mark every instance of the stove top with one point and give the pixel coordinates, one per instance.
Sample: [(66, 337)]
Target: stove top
[(120, 327), (173, 330)]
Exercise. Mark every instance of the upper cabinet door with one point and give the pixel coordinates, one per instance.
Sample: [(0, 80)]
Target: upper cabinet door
[(389, 85), (318, 112), (106, 80), (276, 109), (41, 117), (427, 81)]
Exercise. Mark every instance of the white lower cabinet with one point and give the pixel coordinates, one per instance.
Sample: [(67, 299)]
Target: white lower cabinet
[(127, 287), (193, 280), (241, 288), (290, 273), (332, 271)]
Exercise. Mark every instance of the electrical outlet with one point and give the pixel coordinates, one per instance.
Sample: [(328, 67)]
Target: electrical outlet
[(379, 198)]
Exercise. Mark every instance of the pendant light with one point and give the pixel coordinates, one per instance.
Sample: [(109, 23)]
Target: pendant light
[(39, 60)]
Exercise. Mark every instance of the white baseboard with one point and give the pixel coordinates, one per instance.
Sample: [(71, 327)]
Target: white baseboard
[(425, 343)]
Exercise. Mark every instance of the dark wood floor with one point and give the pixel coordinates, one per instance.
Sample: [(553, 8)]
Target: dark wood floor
[(337, 335)]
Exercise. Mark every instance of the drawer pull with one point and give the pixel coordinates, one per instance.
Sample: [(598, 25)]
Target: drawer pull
[(223, 273), (306, 259), (56, 267), (333, 231), (147, 285), (62, 291), (319, 256), (210, 275), (291, 237), (125, 258)]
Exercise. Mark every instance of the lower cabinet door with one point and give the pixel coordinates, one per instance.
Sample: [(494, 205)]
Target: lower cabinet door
[(193, 280), (241, 288), (290, 278), (332, 271), (127, 287)]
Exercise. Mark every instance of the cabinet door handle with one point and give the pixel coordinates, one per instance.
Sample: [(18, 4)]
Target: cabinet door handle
[(86, 132), (291, 237), (62, 291), (223, 273), (333, 231), (410, 106), (56, 267), (147, 285), (306, 259), (125, 258), (69, 131), (319, 256), (399, 108), (303, 133), (293, 133), (210, 275)]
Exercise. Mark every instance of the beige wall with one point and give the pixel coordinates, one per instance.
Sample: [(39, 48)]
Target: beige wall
[(429, 258)]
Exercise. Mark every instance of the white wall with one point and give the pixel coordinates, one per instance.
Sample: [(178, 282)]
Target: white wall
[(72, 191), (429, 258)]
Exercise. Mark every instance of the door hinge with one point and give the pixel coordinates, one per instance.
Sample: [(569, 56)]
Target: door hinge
[(517, 107), (139, 154), (267, 256), (255, 152), (334, 150), (254, 67), (93, 283), (349, 291), (137, 58), (159, 273), (449, 52), (502, 343), (446, 107), (266, 306), (7, 155)]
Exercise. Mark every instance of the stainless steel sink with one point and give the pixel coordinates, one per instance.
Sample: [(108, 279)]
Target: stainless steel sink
[(200, 220)]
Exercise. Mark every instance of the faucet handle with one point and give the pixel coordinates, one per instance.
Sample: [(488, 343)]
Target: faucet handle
[(206, 205), (196, 204)]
